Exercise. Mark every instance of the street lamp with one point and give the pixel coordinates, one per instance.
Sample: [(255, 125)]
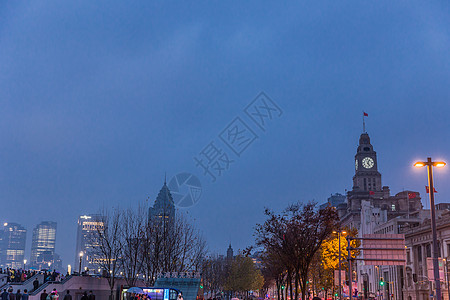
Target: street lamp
[(81, 258), (339, 233), (430, 164), (24, 264)]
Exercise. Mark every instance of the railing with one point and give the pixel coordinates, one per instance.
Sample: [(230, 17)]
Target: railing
[(44, 285)]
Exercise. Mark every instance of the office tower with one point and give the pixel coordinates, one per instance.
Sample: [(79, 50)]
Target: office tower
[(88, 227), (43, 245), (12, 245)]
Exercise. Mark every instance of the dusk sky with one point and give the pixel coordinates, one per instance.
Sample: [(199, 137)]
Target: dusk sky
[(98, 99)]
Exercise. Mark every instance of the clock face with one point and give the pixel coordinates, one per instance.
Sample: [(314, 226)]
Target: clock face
[(356, 164), (367, 162)]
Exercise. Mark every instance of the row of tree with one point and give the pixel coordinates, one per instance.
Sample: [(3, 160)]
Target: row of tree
[(292, 241), (236, 276), (131, 244)]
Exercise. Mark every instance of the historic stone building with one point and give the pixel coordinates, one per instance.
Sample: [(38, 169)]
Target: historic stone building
[(367, 186), (418, 238)]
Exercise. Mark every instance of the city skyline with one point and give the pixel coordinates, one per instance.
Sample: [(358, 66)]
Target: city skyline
[(98, 103)]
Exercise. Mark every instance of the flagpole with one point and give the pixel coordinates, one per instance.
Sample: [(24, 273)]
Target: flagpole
[(364, 124)]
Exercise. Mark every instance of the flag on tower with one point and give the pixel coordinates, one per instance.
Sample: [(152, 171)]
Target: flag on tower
[(365, 114)]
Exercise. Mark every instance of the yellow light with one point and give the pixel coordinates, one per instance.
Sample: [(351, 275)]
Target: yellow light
[(439, 164), (419, 164), (344, 232), (81, 253), (334, 231)]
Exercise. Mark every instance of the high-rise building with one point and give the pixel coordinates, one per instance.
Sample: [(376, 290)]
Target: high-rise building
[(12, 245), (43, 245), (88, 227), (163, 211)]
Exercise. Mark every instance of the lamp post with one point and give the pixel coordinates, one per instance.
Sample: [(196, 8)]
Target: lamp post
[(24, 264), (81, 258), (430, 164), (339, 233)]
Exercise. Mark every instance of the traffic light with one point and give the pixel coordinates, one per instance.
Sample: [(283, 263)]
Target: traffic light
[(201, 286), (282, 287), (381, 281)]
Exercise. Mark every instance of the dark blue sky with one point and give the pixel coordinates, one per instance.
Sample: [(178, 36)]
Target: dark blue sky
[(99, 98)]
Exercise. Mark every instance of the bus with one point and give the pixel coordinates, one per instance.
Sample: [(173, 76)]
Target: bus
[(154, 293)]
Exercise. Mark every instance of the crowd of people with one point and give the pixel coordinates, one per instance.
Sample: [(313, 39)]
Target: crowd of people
[(19, 275)]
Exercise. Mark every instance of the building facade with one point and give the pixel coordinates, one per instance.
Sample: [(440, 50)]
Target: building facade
[(12, 245), (370, 208), (88, 226), (418, 283), (43, 245)]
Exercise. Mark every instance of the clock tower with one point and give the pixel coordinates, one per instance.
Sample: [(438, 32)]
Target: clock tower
[(366, 178)]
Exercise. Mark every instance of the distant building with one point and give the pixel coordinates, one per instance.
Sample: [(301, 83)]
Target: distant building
[(163, 210), (12, 245), (334, 201), (88, 226), (230, 253), (43, 245), (442, 206)]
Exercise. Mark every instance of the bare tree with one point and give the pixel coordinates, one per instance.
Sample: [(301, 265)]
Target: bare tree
[(133, 229), (108, 246)]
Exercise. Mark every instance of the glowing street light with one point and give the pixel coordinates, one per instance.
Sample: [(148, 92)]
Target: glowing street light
[(81, 258), (430, 164), (24, 264)]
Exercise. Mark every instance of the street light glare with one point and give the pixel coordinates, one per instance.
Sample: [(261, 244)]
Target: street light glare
[(81, 253), (439, 164), (419, 164)]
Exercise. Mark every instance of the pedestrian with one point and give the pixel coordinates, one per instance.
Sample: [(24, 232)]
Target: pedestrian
[(85, 296), (11, 295), (55, 295), (91, 296), (36, 284), (25, 295), (4, 295), (44, 295), (18, 295), (67, 296)]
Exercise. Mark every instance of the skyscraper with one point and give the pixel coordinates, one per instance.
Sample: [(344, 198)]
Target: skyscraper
[(163, 211), (43, 245), (12, 245), (86, 237)]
